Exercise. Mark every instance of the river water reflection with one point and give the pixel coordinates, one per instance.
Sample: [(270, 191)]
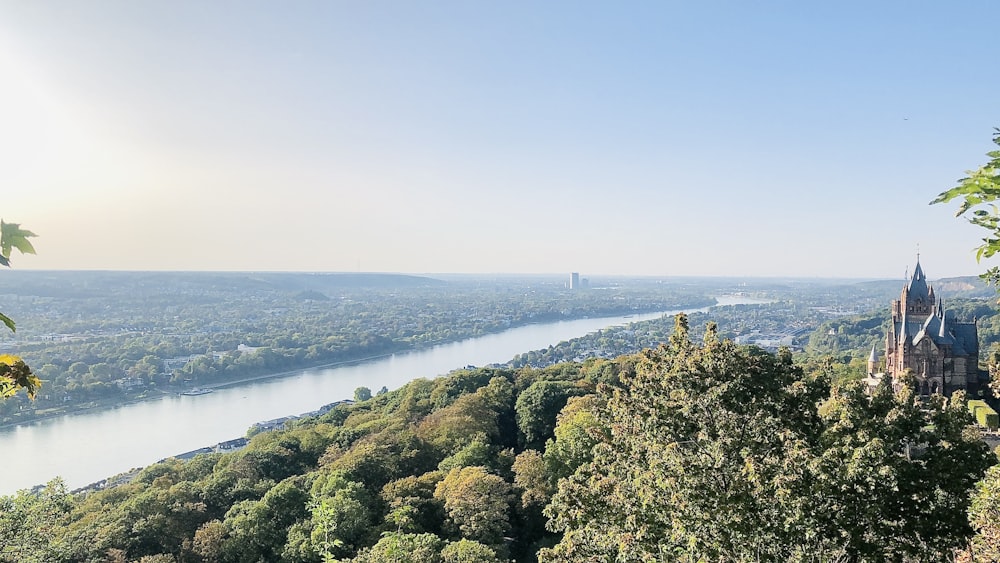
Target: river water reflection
[(87, 447)]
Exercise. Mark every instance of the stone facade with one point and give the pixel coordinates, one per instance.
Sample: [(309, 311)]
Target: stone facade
[(940, 353)]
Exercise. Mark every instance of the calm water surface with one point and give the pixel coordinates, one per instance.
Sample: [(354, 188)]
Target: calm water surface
[(87, 447)]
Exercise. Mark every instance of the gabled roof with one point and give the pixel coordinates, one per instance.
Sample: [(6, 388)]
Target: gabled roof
[(961, 337)]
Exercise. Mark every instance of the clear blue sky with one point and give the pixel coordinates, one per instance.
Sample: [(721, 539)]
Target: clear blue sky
[(660, 138)]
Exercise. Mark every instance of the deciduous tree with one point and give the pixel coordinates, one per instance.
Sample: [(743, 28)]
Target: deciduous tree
[(341, 515), (984, 515), (468, 551), (403, 548), (577, 431), (362, 394), (537, 408), (477, 503), (27, 521)]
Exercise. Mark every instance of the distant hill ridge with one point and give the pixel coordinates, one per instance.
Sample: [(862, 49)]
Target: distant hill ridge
[(320, 281), (963, 286), (966, 286), (82, 284)]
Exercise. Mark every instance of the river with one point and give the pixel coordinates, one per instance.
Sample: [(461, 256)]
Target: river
[(86, 447)]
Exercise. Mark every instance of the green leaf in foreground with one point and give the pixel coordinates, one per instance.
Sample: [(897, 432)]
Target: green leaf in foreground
[(8, 321), (977, 192), (13, 236)]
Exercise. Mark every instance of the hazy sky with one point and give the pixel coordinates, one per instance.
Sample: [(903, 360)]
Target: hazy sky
[(664, 138)]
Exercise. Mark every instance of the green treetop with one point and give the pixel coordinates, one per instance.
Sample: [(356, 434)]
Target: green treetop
[(724, 453)]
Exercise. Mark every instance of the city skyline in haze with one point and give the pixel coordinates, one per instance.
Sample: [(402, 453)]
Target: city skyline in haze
[(648, 138)]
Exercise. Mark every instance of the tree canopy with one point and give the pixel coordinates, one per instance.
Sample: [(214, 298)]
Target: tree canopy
[(724, 453), (692, 452)]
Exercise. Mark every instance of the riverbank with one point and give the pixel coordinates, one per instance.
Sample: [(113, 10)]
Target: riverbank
[(157, 393), (108, 403)]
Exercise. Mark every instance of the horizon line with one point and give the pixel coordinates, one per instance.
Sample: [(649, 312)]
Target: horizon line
[(477, 274)]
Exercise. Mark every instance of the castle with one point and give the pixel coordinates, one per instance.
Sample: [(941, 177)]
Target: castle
[(941, 353)]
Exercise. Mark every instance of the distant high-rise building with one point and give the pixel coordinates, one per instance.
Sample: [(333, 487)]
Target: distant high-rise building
[(574, 280)]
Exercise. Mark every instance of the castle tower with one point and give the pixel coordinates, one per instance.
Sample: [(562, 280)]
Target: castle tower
[(940, 353)]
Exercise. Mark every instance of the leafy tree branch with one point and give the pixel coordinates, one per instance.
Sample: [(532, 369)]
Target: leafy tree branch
[(977, 192), (14, 373)]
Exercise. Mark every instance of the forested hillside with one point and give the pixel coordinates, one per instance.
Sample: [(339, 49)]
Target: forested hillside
[(707, 452)]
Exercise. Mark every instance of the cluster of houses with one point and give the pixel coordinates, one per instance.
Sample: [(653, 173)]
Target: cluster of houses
[(771, 341)]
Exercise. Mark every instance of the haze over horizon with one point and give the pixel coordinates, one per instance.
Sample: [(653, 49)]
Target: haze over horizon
[(715, 139), (592, 277)]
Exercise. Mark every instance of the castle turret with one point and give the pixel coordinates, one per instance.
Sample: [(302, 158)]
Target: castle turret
[(942, 352)]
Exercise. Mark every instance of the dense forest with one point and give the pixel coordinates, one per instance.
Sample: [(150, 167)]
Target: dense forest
[(687, 452)]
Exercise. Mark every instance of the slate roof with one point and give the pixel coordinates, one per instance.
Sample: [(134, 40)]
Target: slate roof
[(961, 337), (918, 284)]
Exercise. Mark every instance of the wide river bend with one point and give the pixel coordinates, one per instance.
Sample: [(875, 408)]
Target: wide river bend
[(86, 447)]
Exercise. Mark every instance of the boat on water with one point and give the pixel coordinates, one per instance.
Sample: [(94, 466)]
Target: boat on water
[(196, 391)]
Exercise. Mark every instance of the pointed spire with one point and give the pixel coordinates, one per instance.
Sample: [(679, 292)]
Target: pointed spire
[(942, 333), (918, 284)]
